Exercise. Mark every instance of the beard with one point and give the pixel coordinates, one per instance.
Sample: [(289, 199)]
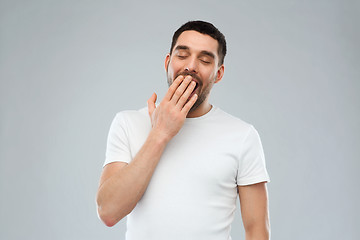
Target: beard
[(203, 91)]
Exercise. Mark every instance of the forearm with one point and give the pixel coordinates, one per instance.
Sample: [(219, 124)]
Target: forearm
[(119, 194)]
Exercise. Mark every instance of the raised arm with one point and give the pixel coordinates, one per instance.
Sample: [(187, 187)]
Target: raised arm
[(122, 185), (254, 211)]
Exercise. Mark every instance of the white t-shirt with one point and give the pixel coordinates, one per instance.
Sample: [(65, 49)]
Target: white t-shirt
[(192, 193)]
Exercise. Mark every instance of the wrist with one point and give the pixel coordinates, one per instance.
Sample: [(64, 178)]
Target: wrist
[(159, 137)]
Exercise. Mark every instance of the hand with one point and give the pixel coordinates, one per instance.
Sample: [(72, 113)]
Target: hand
[(168, 118)]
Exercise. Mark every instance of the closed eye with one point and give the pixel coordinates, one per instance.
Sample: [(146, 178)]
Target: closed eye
[(181, 56), (205, 61)]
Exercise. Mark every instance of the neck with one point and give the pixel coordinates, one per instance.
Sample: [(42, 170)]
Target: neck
[(201, 110)]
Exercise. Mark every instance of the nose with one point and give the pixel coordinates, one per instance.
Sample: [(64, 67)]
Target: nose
[(191, 66)]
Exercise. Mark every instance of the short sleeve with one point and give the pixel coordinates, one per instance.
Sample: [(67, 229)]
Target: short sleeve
[(117, 148), (252, 167)]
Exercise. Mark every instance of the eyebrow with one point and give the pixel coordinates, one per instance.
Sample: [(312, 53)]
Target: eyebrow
[(182, 47), (207, 53)]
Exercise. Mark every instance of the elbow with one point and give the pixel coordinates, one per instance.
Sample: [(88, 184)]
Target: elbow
[(105, 214), (110, 213), (109, 222), (110, 216), (108, 219)]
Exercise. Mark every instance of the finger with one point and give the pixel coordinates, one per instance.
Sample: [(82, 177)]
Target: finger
[(185, 96), (189, 104), (151, 103), (173, 87), (181, 89)]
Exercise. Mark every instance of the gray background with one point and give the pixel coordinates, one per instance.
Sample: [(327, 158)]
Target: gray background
[(66, 68)]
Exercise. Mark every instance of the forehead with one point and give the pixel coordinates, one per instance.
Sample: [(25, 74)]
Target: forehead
[(198, 42)]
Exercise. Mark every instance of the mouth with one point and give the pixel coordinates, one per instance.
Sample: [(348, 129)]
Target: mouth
[(197, 86), (194, 78)]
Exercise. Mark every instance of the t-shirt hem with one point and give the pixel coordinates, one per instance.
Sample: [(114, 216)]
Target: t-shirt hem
[(114, 160), (254, 181)]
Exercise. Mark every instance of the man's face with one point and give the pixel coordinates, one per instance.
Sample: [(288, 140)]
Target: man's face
[(195, 54)]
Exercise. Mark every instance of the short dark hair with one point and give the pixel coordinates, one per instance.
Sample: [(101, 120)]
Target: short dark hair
[(204, 28)]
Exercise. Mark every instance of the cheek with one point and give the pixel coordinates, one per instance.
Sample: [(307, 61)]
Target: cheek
[(172, 68), (176, 67), (209, 75)]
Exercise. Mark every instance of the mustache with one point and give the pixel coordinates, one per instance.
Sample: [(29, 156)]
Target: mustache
[(193, 75)]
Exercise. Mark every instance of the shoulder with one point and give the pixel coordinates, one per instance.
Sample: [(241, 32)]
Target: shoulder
[(132, 115), (230, 121), (133, 118), (140, 113)]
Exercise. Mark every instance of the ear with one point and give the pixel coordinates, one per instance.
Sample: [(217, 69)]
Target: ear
[(220, 73), (167, 60)]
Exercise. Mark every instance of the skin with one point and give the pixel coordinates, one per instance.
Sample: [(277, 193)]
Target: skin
[(122, 185), (255, 211)]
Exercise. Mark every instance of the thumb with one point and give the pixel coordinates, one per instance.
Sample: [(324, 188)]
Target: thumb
[(151, 103)]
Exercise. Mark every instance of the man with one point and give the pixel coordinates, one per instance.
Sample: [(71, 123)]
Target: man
[(175, 169)]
